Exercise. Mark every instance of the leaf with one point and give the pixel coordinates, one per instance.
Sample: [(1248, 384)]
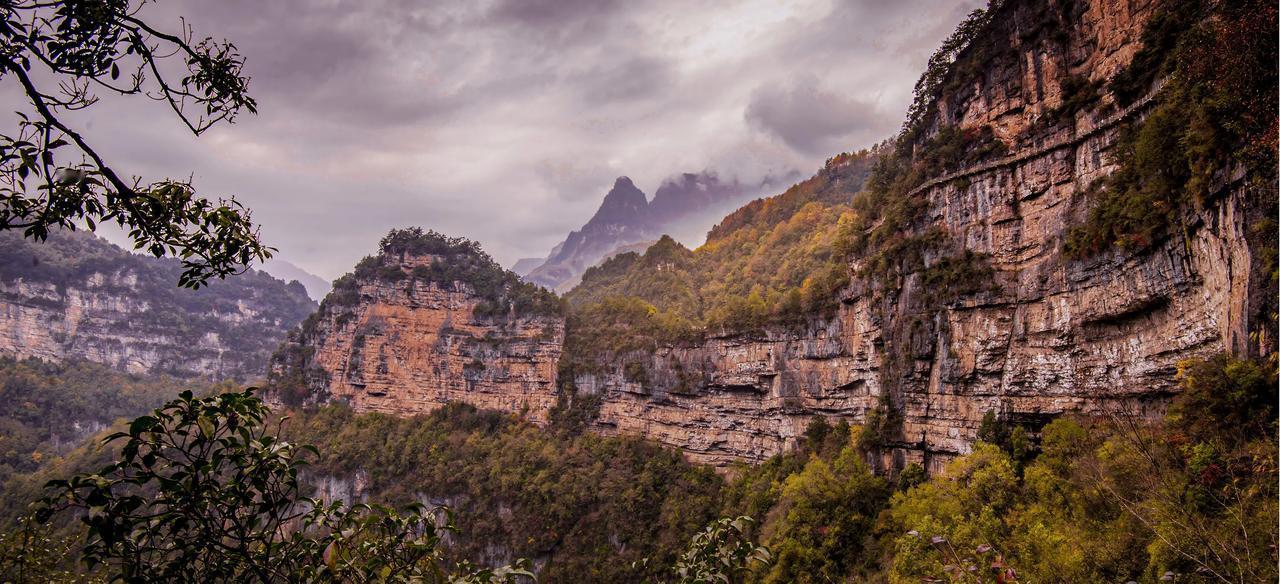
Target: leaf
[(206, 426), (141, 424)]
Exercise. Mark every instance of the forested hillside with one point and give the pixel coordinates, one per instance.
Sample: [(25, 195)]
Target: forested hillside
[(50, 410), (775, 259)]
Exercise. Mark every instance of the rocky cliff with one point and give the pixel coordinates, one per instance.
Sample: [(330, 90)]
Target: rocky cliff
[(77, 296), (966, 290), (1048, 333), (428, 321)]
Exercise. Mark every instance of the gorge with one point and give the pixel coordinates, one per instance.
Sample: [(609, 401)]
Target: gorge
[(1029, 337)]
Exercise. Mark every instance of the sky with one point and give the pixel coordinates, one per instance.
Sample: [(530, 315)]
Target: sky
[(506, 121)]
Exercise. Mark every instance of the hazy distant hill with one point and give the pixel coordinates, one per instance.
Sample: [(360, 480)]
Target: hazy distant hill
[(684, 207), (316, 286), (76, 296), (525, 265)]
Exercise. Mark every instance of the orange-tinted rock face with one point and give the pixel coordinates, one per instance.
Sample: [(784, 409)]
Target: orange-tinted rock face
[(1026, 80), (411, 346)]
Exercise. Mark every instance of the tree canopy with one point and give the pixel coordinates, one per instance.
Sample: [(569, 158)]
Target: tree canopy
[(62, 54)]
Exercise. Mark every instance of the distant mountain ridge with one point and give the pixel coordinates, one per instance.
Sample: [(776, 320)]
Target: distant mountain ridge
[(316, 286), (684, 206), (525, 265), (77, 296)]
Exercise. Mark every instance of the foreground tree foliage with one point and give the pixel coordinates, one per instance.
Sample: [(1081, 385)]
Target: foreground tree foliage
[(59, 54), (721, 554), (203, 489)]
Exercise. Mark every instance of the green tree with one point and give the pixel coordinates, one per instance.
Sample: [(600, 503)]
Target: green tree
[(201, 487), (60, 53), (722, 553), (821, 526)]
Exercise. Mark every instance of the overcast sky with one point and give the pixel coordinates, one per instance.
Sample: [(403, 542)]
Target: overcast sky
[(507, 121)]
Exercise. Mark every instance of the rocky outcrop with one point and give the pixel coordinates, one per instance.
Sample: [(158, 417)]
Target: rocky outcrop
[(389, 341), (78, 297)]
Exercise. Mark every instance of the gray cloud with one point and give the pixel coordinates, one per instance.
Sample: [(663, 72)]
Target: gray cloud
[(507, 120), (553, 17), (811, 119)]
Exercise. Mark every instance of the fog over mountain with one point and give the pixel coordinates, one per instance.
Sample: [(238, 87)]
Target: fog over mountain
[(684, 207)]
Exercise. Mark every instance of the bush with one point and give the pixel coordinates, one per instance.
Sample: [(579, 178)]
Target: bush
[(1225, 399)]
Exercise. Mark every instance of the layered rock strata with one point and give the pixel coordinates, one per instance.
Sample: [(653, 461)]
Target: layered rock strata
[(79, 297), (1054, 336), (407, 346)]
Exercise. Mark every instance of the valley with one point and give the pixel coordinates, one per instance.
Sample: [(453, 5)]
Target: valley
[(1029, 337)]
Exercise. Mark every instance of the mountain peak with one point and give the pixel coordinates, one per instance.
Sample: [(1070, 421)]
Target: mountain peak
[(624, 203)]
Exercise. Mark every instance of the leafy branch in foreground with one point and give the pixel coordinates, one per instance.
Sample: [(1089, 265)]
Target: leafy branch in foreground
[(722, 553), (203, 488), (60, 52)]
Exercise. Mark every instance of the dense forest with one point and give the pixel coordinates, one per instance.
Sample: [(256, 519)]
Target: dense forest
[(48, 409)]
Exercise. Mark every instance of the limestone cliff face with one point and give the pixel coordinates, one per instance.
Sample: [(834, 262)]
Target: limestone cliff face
[(744, 397), (1054, 336), (1059, 337), (79, 297), (405, 345)]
